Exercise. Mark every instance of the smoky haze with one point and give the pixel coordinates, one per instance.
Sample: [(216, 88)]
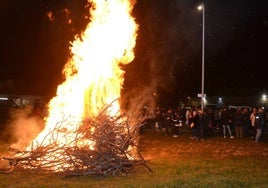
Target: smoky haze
[(19, 131), (23, 127), (167, 40)]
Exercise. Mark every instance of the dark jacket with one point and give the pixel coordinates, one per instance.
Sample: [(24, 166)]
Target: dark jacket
[(237, 119), (245, 119), (195, 120), (259, 120), (204, 120), (225, 117)]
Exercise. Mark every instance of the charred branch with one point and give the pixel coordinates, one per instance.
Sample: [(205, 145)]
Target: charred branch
[(113, 149)]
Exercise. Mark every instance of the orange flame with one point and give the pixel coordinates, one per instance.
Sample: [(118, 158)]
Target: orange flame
[(93, 78)]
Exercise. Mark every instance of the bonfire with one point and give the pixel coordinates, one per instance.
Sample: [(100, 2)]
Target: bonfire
[(112, 151), (86, 132)]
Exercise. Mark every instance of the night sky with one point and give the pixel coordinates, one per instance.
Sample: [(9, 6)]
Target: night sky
[(167, 60)]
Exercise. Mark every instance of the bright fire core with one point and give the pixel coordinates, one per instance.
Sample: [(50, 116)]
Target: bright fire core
[(93, 78)]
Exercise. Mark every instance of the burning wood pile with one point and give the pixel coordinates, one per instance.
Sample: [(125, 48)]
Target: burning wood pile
[(82, 145), (113, 149)]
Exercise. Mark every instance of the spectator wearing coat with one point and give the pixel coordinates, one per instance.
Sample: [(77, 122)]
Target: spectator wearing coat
[(226, 121), (169, 121), (204, 123), (259, 123), (194, 125), (237, 121)]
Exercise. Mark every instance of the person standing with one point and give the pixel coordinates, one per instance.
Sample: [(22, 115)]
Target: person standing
[(237, 120), (187, 116), (169, 121), (203, 123), (194, 124), (177, 121), (245, 121), (158, 119), (259, 123), (252, 121), (226, 121)]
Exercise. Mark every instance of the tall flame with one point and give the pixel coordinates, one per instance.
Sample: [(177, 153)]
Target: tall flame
[(93, 77)]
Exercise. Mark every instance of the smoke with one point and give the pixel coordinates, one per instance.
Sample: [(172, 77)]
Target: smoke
[(168, 51), (24, 126), (166, 41), (141, 101)]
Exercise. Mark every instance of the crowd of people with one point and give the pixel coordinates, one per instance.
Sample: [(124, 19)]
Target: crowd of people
[(230, 123)]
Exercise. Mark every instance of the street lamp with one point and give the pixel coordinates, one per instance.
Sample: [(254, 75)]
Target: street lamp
[(202, 7), (264, 97)]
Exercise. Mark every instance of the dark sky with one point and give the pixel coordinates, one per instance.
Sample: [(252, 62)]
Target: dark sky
[(168, 51)]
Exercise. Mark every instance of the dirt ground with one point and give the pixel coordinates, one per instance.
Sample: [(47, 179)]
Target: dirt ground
[(152, 145)]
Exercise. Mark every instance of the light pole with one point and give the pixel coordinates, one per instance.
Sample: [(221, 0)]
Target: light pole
[(202, 7)]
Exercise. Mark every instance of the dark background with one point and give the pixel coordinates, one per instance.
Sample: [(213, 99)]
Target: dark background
[(167, 60)]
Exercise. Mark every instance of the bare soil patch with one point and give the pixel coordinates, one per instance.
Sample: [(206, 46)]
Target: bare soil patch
[(155, 144)]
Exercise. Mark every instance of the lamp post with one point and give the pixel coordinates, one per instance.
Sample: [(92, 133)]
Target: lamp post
[(202, 7)]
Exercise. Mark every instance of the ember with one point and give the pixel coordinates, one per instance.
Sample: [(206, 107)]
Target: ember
[(85, 132)]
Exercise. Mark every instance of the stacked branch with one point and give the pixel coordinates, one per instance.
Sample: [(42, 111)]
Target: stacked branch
[(112, 149)]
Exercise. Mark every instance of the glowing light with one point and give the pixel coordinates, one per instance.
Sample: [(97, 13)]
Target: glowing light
[(200, 7), (264, 97)]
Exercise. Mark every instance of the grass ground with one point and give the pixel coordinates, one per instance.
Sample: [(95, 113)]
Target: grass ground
[(176, 162)]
